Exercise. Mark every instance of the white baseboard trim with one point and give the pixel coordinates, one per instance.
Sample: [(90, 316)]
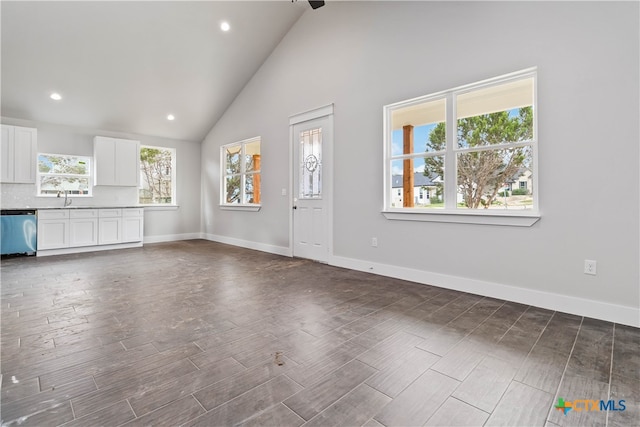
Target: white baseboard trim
[(557, 302), (567, 304), (263, 247), (172, 237), (83, 249)]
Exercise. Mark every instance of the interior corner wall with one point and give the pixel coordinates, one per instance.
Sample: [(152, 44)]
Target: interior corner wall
[(364, 55), (160, 223)]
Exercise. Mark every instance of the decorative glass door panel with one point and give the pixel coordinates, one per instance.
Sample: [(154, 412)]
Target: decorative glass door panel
[(310, 164), (311, 143)]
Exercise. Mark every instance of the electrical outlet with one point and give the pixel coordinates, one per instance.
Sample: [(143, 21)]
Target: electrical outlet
[(589, 267), (374, 242), (284, 192)]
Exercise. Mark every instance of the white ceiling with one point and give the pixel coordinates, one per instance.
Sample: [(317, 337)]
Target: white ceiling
[(124, 66)]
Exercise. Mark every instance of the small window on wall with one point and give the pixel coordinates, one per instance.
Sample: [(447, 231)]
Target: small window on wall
[(59, 174), (466, 146), (157, 176), (241, 174)]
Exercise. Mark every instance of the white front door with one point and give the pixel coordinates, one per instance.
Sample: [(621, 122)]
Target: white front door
[(312, 142)]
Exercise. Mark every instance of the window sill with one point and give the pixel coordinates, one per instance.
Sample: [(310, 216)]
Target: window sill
[(248, 208), (160, 207), (514, 219), (75, 196)]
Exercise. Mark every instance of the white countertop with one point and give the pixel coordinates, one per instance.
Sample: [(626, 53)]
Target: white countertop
[(70, 207), (90, 207)]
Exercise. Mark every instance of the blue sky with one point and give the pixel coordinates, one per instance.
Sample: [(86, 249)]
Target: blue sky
[(67, 163), (421, 136), (420, 139)]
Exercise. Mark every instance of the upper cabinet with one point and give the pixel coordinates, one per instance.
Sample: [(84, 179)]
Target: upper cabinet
[(117, 161), (19, 150)]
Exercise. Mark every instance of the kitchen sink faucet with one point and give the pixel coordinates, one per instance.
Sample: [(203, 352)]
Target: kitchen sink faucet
[(67, 200)]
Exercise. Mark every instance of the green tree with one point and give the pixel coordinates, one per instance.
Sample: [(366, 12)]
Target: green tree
[(233, 178), (156, 166), (481, 174), (434, 166), (59, 165), (233, 189)]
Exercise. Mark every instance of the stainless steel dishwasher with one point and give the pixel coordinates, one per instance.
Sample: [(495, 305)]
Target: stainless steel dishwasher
[(19, 232)]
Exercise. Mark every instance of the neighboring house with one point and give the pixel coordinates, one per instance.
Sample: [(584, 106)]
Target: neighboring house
[(424, 189), (76, 187), (522, 180)]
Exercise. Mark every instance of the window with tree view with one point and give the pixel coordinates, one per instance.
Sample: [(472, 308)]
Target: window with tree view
[(157, 176), (59, 174), (470, 148), (241, 173)]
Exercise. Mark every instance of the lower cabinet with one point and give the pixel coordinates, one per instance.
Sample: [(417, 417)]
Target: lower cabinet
[(83, 227), (110, 226), (121, 226), (66, 229), (132, 224), (53, 229)]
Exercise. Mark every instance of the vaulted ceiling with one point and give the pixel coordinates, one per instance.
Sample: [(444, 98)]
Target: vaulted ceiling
[(125, 66)]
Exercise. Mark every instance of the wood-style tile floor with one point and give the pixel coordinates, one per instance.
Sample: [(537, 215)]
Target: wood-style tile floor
[(202, 334)]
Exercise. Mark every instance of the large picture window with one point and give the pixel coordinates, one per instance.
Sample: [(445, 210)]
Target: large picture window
[(157, 176), (471, 149), (241, 165), (60, 174)]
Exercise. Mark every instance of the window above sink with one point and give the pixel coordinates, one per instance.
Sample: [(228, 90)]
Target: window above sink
[(60, 174)]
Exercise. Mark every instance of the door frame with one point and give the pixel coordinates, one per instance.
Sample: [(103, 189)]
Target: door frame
[(327, 178)]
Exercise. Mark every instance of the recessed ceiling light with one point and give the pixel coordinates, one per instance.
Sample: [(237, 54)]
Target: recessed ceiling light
[(171, 117), (56, 96), (225, 26)]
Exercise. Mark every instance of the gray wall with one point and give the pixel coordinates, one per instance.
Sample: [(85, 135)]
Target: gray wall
[(363, 55), (160, 223)]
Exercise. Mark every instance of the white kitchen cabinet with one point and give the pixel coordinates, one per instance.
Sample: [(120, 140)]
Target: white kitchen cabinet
[(132, 224), (18, 152), (53, 229), (117, 161), (83, 227), (109, 226), (62, 231)]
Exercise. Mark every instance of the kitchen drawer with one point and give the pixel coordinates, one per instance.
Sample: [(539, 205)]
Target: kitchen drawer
[(110, 213), (53, 214), (132, 212), (83, 213)]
